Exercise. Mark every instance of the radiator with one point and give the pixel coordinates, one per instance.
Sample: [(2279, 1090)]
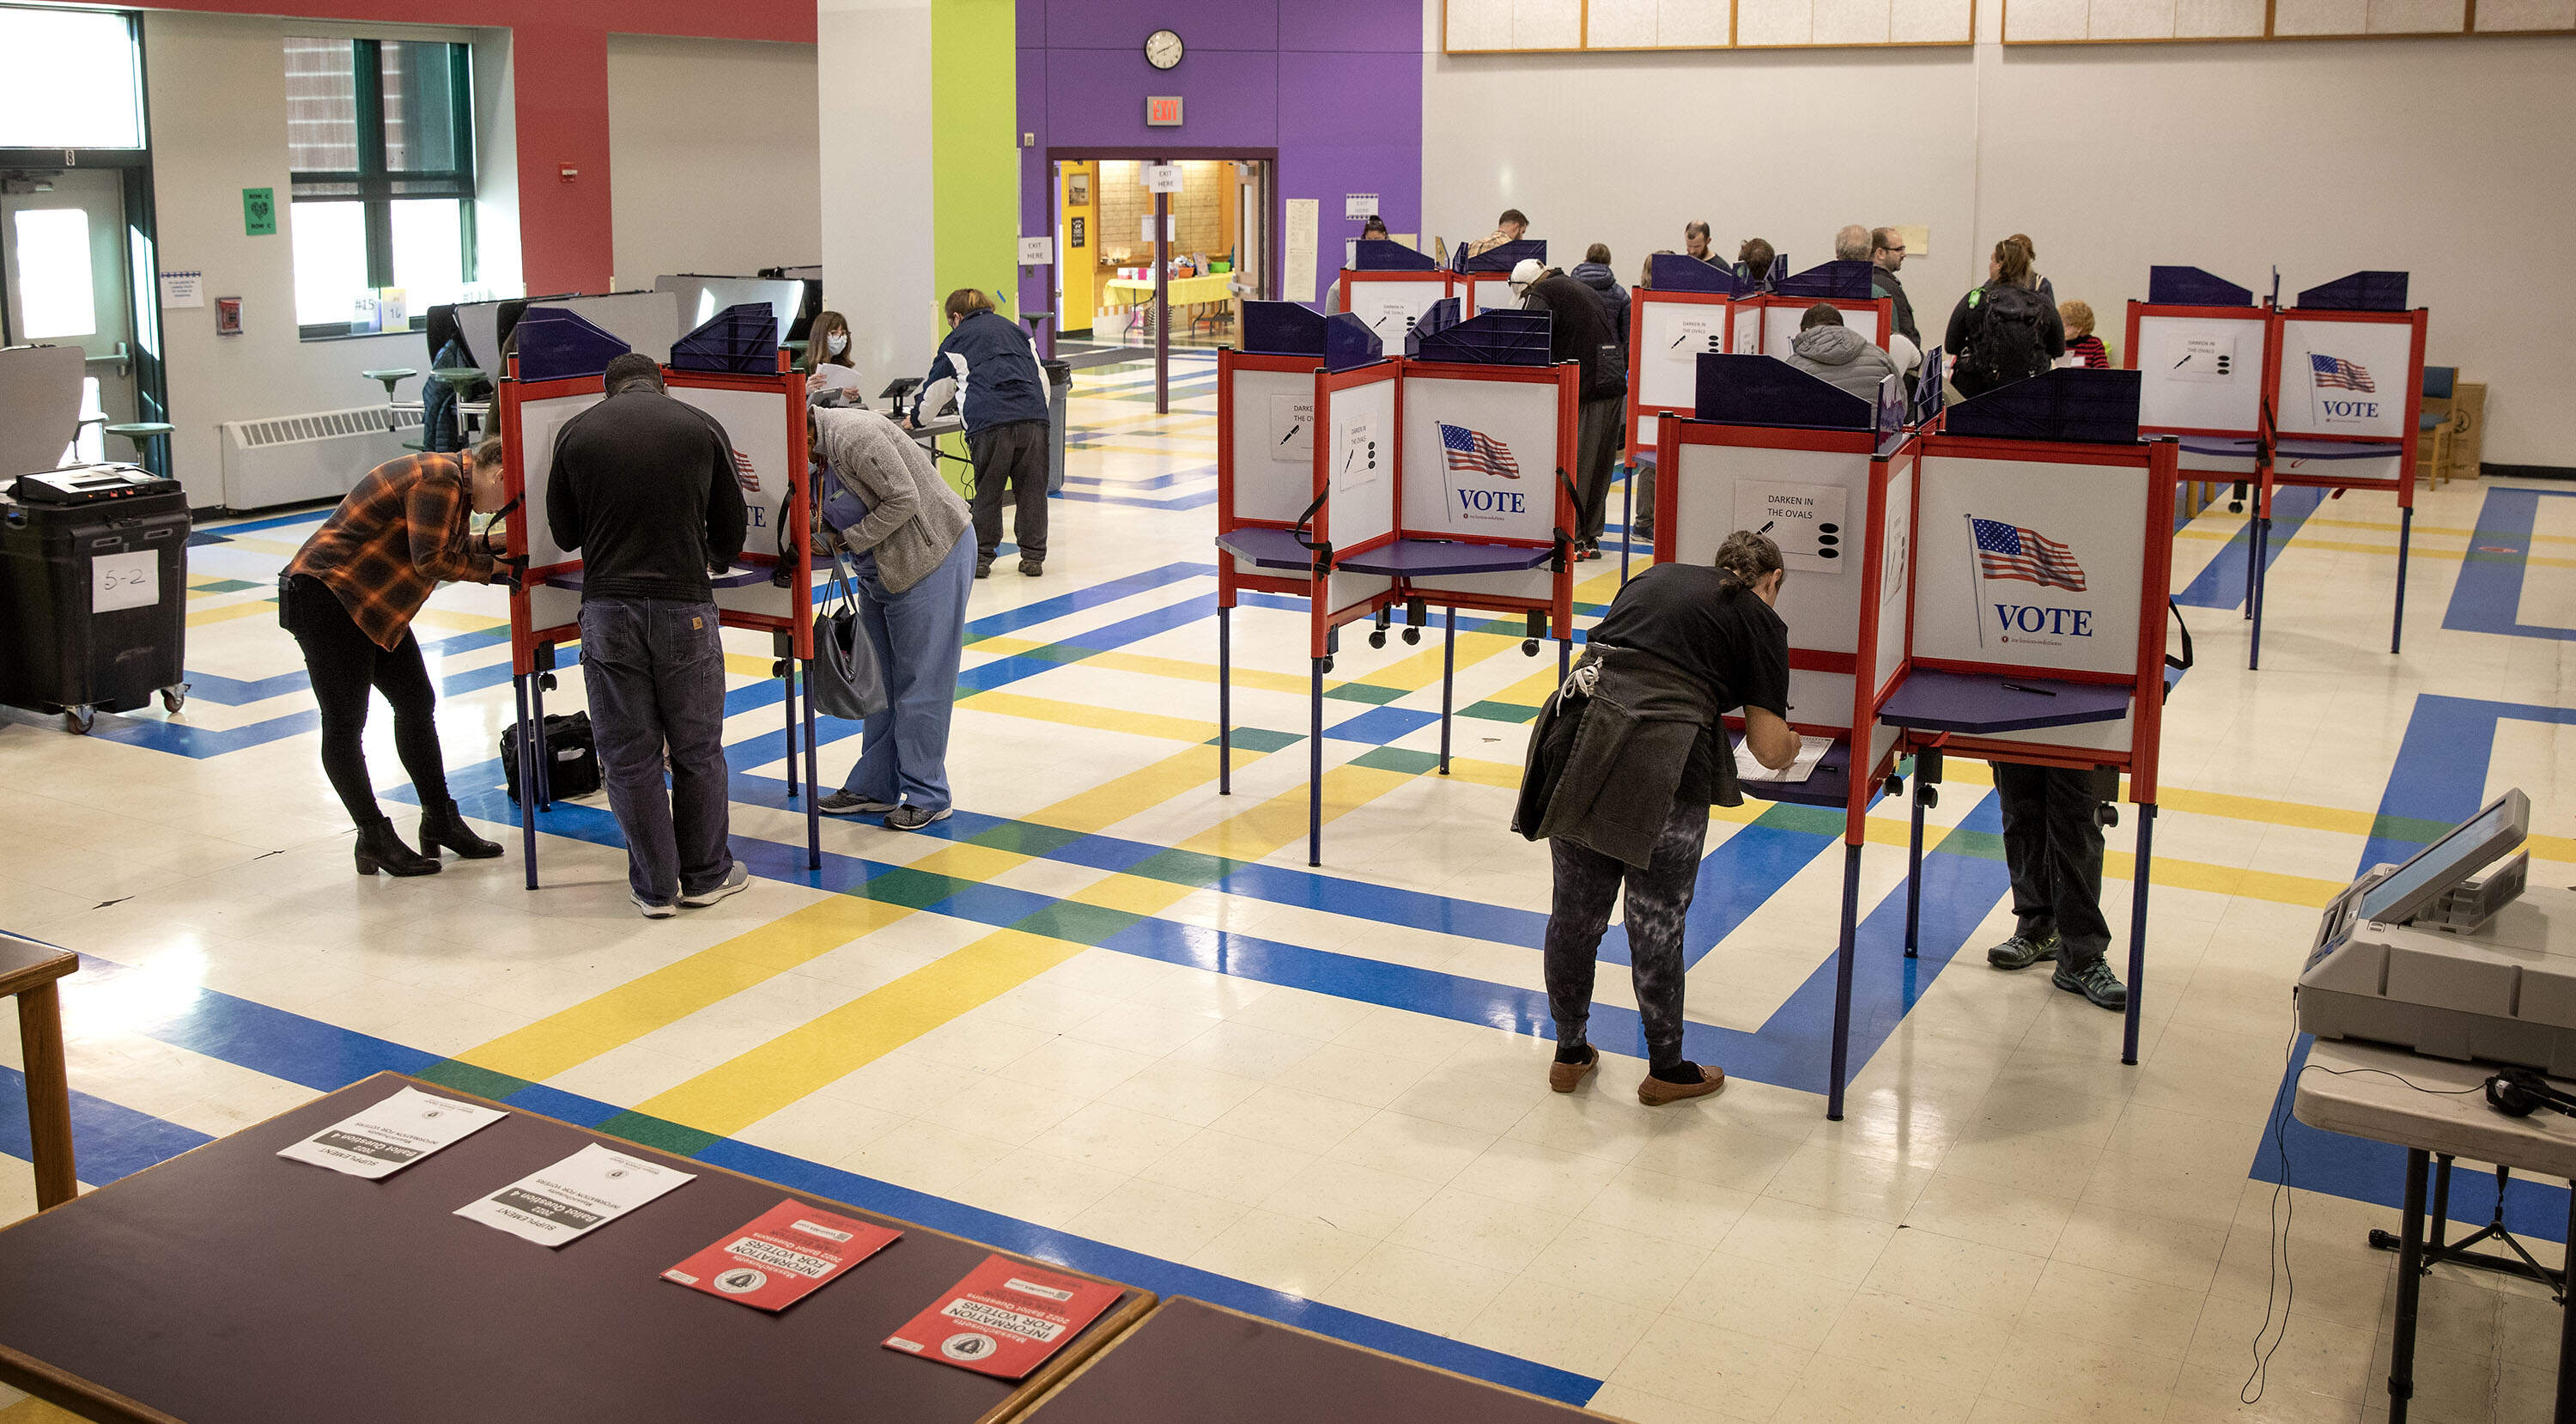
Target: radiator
[(297, 459)]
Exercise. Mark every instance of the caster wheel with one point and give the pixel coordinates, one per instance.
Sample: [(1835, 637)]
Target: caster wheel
[(174, 698), (78, 720), (2106, 815), (2236, 506), (1412, 636), (778, 668), (1931, 796), (1529, 647), (1377, 639), (1896, 786), (1328, 664), (546, 680)]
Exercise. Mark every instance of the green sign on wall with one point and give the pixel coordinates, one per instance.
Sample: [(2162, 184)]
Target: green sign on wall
[(259, 212)]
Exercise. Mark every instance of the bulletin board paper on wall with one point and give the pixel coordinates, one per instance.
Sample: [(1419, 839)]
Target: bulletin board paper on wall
[(1480, 458), (2078, 523), (1523, 26)]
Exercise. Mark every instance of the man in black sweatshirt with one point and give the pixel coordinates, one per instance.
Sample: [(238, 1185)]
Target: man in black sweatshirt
[(1581, 332), (644, 489)]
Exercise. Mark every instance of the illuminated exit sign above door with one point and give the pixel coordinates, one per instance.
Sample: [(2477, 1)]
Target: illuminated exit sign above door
[(1163, 111)]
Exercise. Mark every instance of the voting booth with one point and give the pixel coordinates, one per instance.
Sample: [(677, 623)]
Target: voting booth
[(1390, 286), (1844, 286), (1688, 312), (732, 369), (1363, 483), (2323, 394), (1484, 281)]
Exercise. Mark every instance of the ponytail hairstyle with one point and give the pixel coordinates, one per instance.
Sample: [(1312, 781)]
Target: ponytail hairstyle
[(1745, 559), (966, 301), (2012, 262)]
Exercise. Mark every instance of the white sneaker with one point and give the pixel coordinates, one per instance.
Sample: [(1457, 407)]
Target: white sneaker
[(734, 880), (651, 910)]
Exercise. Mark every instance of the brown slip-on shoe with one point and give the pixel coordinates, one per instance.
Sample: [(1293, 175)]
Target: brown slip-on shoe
[(1566, 1077), (1654, 1092)]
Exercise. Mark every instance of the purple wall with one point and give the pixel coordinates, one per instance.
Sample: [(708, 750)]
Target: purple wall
[(1334, 85)]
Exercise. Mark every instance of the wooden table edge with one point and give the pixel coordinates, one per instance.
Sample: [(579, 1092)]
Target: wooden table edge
[(62, 964), (70, 1391), (1096, 1356)]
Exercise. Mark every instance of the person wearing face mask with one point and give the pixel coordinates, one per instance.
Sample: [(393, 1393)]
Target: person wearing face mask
[(349, 597), (1624, 761), (831, 375)]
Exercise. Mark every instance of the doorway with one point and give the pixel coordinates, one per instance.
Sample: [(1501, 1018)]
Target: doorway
[(1220, 246), (69, 282)]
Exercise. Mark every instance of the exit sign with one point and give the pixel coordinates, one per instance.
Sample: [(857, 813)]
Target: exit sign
[(1163, 111)]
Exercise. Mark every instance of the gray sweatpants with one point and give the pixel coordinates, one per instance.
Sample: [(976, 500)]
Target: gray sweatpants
[(1659, 897)]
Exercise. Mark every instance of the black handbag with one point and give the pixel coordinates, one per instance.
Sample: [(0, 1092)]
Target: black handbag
[(572, 758), (846, 681)]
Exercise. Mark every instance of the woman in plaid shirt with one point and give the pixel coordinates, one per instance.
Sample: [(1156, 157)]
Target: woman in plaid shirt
[(349, 597)]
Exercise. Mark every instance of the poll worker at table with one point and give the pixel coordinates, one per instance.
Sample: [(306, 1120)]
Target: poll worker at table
[(1834, 353), (349, 597), (2053, 849), (2003, 331), (1507, 228), (1624, 762), (1886, 254), (1580, 331), (1002, 399), (906, 529), (831, 372), (645, 489)]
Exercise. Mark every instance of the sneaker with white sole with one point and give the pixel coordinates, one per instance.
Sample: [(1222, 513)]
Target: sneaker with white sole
[(851, 803), (734, 880), (2022, 951), (2095, 981), (913, 818), (653, 910)]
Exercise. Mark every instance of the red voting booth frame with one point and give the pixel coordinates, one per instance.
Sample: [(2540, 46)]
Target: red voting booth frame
[(2265, 441), (1354, 278), (532, 645), (1299, 557), (1870, 755)]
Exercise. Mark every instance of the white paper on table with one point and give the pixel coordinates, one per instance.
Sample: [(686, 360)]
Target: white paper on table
[(1810, 751), (585, 1190), (382, 1140)]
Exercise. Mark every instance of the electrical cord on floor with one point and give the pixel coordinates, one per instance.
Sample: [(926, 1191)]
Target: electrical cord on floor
[(2283, 1287)]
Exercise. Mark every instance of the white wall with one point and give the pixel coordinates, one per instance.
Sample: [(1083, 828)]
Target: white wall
[(713, 150), (876, 183), (217, 90), (2325, 157)]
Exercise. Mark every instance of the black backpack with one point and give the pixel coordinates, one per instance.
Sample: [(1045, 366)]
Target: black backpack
[(2006, 339)]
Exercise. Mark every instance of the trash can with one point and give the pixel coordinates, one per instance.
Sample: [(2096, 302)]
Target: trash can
[(93, 592), (1059, 375)]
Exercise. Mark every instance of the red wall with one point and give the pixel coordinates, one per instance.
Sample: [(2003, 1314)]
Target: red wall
[(560, 54)]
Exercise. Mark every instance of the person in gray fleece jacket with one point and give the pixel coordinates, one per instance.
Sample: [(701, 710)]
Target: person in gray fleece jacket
[(905, 530), (1833, 352)]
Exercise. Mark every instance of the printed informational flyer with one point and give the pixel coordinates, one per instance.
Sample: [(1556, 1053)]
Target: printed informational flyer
[(783, 1256), (593, 1186), (1004, 1319), (382, 1140)]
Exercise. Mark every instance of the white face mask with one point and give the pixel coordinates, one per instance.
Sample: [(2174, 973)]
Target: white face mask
[(838, 342)]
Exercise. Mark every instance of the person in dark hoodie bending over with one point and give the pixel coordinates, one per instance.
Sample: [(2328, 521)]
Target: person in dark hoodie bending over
[(644, 489), (1624, 762), (1002, 398), (1579, 331)]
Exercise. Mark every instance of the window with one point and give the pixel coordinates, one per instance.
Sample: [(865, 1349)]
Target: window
[(380, 136), (71, 80), (55, 292)]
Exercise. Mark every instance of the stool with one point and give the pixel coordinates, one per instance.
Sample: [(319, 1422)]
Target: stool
[(456, 378), (141, 432), (391, 376), (27, 973)]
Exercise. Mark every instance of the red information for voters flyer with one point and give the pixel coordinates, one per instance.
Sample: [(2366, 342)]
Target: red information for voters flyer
[(1005, 1318), (783, 1256)]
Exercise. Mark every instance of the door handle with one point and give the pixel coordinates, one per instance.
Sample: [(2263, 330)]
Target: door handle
[(123, 360)]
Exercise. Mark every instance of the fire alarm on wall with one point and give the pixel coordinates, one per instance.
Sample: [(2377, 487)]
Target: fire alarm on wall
[(568, 171)]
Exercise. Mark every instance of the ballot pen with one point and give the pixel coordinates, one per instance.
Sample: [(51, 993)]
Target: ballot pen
[(2025, 687)]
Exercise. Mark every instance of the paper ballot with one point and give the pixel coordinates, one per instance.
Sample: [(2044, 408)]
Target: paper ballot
[(837, 377), (555, 1204), (382, 1140), (1810, 751)]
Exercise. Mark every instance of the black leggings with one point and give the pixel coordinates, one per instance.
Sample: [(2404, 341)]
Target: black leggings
[(344, 663)]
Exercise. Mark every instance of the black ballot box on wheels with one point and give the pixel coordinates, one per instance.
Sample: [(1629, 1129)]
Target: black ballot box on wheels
[(93, 592)]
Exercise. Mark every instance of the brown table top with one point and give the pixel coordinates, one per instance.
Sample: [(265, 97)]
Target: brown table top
[(24, 964), (1193, 1363), (230, 1284)]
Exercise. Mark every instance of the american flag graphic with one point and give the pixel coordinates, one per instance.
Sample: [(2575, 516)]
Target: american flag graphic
[(2008, 551), (1477, 453), (2334, 373)]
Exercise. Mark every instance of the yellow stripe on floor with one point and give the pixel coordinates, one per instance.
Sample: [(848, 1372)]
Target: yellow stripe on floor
[(1282, 820), (1084, 714), (734, 1095)]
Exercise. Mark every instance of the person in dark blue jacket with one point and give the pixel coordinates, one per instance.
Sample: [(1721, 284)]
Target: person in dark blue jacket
[(1002, 398)]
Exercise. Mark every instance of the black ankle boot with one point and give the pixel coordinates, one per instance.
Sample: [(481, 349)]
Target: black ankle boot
[(442, 825), (379, 848)]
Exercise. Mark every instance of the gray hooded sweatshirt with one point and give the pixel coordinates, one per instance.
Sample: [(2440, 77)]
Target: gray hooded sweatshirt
[(911, 519), (1843, 357)]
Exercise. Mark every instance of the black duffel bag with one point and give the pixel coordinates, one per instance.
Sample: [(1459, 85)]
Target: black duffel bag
[(572, 759)]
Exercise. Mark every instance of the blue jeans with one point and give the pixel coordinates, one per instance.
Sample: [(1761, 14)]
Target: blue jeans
[(655, 674), (919, 635)]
